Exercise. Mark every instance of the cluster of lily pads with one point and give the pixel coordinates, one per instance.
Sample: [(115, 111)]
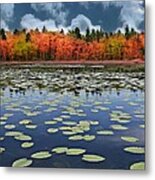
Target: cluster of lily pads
[(71, 121), (62, 81)]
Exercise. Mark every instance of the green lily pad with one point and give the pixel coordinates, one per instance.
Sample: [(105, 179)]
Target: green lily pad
[(68, 133), (75, 151), (2, 138), (142, 126), (69, 123), (129, 139), (138, 166), (25, 122), (52, 130), (13, 133), (135, 150), (31, 126), (92, 158), (105, 132), (2, 149), (41, 155), (59, 150), (10, 126), (27, 144), (24, 162), (118, 127), (76, 138), (50, 122), (94, 122), (89, 137), (59, 119), (23, 137)]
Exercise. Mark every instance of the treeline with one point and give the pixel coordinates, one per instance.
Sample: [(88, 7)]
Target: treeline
[(23, 45)]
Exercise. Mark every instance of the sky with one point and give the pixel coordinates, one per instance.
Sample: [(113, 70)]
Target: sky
[(108, 15)]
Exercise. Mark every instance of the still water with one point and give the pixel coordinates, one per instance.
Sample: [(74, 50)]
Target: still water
[(67, 110)]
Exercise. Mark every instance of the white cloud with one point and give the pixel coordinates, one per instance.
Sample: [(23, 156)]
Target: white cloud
[(131, 12), (29, 21), (7, 12), (55, 10), (4, 25), (82, 22)]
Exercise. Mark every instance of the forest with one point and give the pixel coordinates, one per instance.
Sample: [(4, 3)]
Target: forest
[(94, 45)]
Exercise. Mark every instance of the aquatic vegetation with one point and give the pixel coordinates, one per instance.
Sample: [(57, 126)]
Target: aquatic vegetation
[(10, 126), (23, 137), (135, 150), (52, 130), (118, 127), (129, 139), (92, 158), (105, 132), (41, 155), (2, 149), (60, 150), (75, 151), (27, 144), (138, 166), (23, 162)]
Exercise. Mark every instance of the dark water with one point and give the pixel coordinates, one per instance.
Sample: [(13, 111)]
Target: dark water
[(111, 147)]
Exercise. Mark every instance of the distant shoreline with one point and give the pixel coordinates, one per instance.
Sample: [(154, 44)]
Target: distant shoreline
[(76, 63)]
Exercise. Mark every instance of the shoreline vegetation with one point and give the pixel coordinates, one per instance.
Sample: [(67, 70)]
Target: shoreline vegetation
[(93, 46)]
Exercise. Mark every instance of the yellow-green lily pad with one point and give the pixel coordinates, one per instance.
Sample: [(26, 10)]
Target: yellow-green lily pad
[(24, 162), (92, 158)]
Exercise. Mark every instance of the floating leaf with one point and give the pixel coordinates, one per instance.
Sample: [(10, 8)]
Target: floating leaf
[(52, 130), (88, 137), (142, 125), (2, 138), (138, 166), (59, 150), (27, 144), (76, 138), (129, 139), (2, 149), (94, 122), (31, 126), (118, 127), (68, 132), (24, 162), (75, 151), (23, 138), (25, 122), (105, 132), (10, 126), (13, 133), (41, 155), (50, 122), (92, 158), (135, 150), (69, 123)]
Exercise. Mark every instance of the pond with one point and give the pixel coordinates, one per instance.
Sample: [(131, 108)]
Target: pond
[(46, 128)]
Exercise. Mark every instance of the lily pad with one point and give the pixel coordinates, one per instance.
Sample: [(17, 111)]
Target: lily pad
[(94, 122), (68, 132), (27, 144), (25, 122), (75, 151), (92, 158), (59, 150), (129, 139), (135, 150), (105, 132), (2, 149), (31, 126), (88, 137), (142, 126), (118, 127), (2, 138), (23, 137), (24, 162), (52, 130), (41, 155), (13, 133), (10, 126), (69, 123), (138, 166), (76, 138), (50, 122)]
